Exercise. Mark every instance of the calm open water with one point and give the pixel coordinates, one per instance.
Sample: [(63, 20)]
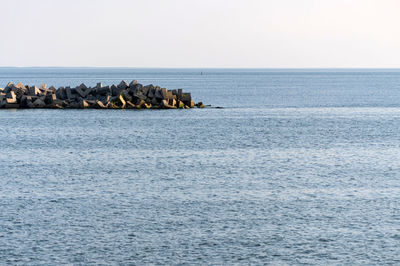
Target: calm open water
[(302, 166)]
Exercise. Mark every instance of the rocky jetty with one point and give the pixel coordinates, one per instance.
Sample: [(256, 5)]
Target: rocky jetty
[(122, 96)]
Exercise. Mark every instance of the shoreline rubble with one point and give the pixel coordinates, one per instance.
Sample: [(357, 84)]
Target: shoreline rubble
[(122, 96)]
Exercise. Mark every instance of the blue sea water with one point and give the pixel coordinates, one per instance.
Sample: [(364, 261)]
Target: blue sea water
[(301, 166)]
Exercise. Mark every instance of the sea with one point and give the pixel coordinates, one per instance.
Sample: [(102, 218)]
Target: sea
[(299, 166)]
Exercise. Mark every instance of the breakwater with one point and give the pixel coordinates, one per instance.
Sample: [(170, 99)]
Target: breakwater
[(122, 96)]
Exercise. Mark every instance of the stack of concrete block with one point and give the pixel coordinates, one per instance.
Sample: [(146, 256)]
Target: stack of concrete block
[(122, 96)]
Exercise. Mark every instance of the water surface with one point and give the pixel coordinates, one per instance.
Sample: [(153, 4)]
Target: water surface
[(300, 167)]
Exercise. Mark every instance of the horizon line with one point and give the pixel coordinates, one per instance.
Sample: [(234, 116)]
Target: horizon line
[(129, 67)]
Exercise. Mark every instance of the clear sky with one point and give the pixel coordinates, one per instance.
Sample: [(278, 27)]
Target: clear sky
[(200, 33)]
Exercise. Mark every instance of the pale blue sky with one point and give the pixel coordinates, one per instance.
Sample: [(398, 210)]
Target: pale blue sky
[(203, 33)]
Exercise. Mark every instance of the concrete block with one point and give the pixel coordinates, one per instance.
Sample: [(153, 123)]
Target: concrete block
[(123, 85), (166, 105), (99, 104), (129, 105), (158, 93), (33, 91), (52, 89), (39, 103), (115, 91), (186, 98), (68, 93), (140, 104), (43, 87), (11, 98), (61, 94), (84, 104), (133, 83), (87, 92), (103, 90), (164, 93), (80, 91)]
